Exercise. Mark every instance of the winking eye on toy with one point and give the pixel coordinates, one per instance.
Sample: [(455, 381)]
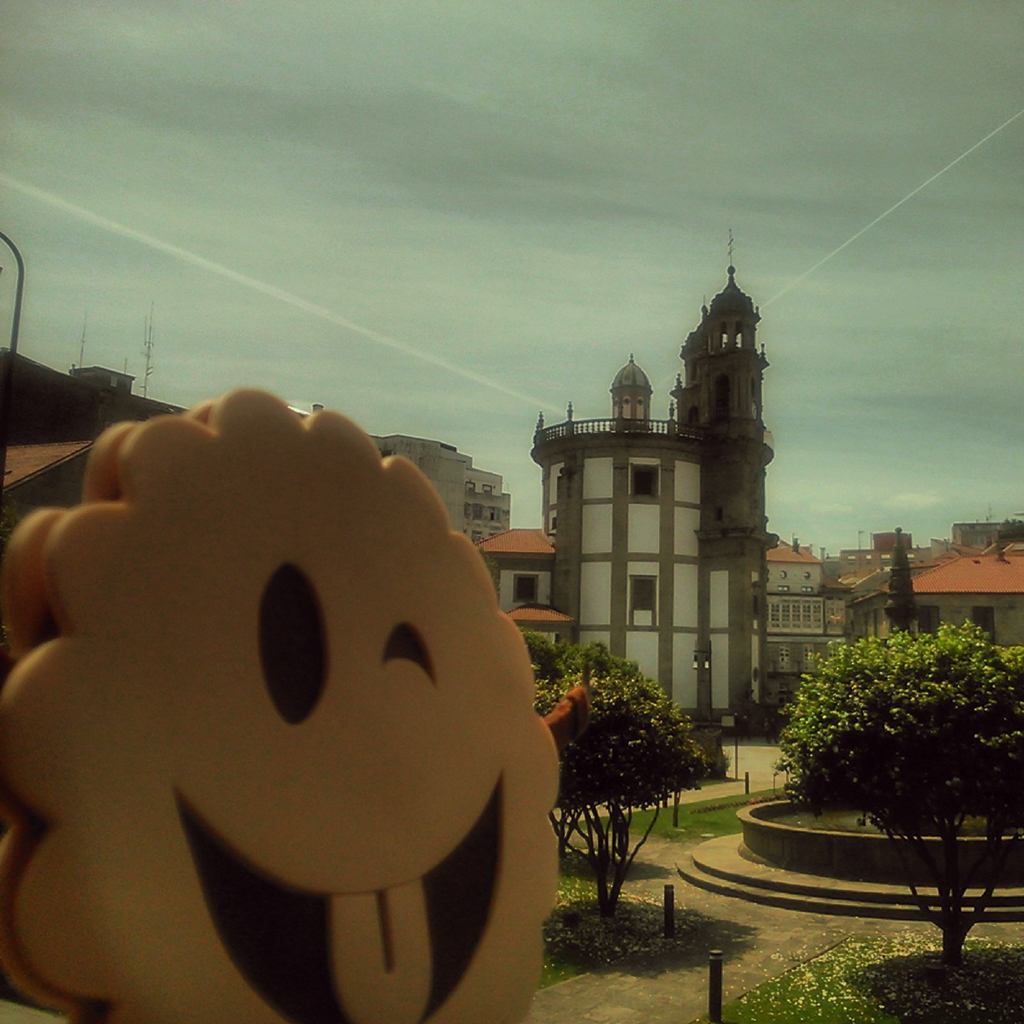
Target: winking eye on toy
[(268, 750)]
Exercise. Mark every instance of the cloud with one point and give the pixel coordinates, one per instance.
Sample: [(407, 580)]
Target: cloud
[(830, 507), (911, 501)]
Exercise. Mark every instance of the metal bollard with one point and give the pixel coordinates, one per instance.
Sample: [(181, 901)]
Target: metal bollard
[(715, 986), (746, 782), (670, 911)]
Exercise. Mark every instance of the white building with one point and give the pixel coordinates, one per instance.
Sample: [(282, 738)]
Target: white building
[(659, 526), (477, 504), (806, 612)]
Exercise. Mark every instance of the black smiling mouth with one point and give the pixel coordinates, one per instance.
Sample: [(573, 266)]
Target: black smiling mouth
[(278, 936)]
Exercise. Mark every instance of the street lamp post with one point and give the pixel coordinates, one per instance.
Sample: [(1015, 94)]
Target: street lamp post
[(705, 691), (8, 370)]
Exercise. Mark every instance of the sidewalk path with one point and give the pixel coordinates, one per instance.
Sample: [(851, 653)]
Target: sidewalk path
[(759, 942)]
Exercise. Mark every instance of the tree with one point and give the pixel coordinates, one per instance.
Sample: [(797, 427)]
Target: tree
[(921, 733), (636, 752)]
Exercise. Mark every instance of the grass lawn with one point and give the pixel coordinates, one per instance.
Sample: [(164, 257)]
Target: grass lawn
[(704, 819), (578, 940), (887, 981)]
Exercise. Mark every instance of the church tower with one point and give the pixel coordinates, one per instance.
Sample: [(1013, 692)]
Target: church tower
[(722, 397), (658, 525)]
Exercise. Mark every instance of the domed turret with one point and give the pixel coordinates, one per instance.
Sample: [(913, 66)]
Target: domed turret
[(631, 393), (731, 299), (732, 318)]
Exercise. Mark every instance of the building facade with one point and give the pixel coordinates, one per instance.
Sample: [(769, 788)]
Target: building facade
[(987, 589), (477, 503), (659, 526), (806, 612), (522, 565), (48, 406)]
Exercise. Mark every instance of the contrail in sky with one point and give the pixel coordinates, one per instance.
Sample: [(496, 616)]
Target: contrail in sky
[(895, 206), (113, 227)]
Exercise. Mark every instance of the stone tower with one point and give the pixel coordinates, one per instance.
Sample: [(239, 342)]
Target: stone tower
[(659, 525), (722, 397)]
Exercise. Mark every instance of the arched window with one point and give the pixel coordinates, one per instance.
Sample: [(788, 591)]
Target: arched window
[(722, 394)]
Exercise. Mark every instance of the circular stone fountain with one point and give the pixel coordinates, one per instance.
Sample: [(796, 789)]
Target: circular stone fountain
[(839, 844)]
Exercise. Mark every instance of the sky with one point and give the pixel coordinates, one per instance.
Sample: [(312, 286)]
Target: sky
[(443, 217)]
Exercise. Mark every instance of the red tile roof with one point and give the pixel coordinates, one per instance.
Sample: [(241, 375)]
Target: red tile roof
[(983, 574), (26, 460), (518, 542), (537, 613), (784, 553)]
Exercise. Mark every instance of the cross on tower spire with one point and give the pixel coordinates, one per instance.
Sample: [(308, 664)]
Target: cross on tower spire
[(730, 247)]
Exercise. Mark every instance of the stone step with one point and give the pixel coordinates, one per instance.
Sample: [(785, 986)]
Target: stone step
[(723, 866)]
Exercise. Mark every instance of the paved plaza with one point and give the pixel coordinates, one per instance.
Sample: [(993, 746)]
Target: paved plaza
[(759, 942)]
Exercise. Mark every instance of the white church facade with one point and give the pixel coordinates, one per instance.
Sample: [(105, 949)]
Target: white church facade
[(658, 526)]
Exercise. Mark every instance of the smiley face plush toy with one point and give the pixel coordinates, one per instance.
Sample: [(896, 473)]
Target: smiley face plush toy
[(268, 749)]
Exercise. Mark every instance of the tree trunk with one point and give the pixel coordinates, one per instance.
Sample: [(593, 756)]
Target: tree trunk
[(953, 935)]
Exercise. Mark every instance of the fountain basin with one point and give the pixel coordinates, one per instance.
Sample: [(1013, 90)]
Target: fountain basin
[(857, 853)]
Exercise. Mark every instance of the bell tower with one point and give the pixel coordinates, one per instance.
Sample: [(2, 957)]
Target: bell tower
[(721, 397), (724, 370), (659, 524)]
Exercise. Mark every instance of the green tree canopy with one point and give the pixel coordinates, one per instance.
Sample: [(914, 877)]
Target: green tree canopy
[(636, 753), (922, 733)]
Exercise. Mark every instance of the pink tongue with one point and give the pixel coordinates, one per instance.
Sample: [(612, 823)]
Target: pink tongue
[(381, 950)]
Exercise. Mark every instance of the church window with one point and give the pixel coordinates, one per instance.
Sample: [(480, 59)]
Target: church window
[(642, 597), (722, 396), (645, 480)]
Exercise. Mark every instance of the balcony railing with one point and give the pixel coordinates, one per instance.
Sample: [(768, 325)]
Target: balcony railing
[(571, 428)]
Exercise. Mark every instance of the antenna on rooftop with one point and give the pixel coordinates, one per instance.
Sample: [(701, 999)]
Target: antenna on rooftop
[(81, 347), (147, 349)]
